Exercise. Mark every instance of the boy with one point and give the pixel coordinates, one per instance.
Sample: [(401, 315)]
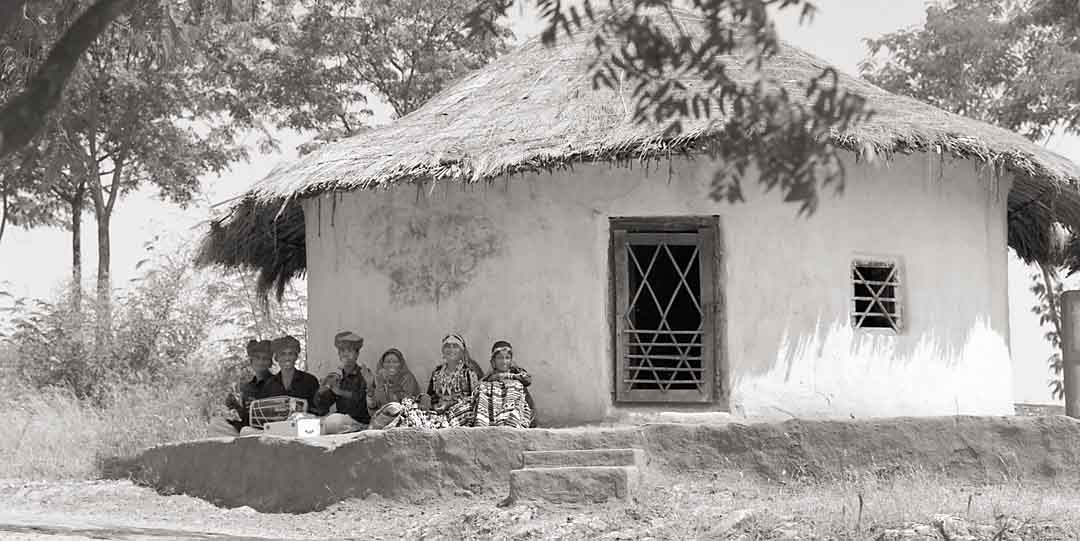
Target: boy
[(346, 388), (258, 387)]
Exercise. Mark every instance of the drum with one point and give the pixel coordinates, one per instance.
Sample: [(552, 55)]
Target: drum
[(278, 408)]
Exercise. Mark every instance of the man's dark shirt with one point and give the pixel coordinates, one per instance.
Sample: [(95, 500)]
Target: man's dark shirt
[(355, 407), (255, 389), (304, 385)]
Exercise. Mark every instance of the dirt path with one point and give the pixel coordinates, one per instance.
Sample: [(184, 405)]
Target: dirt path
[(44, 526), (673, 507)]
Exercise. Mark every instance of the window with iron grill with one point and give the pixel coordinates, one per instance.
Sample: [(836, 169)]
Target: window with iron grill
[(664, 286), (875, 300)]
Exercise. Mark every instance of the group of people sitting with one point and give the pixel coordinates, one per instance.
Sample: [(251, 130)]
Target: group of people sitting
[(353, 398)]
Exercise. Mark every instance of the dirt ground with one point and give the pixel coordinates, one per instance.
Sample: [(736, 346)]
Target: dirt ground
[(669, 508)]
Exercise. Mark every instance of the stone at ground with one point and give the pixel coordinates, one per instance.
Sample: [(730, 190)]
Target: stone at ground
[(583, 457), (590, 484)]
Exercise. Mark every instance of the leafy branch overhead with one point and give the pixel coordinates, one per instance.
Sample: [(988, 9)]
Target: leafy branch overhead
[(786, 137), (406, 51)]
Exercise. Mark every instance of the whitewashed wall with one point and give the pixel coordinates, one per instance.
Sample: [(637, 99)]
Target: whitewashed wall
[(526, 260)]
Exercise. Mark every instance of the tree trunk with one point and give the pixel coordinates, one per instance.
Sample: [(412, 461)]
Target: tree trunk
[(22, 117), (76, 250), (3, 210), (104, 289)]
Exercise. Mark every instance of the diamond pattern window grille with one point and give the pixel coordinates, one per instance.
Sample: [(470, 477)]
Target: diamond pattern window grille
[(664, 347), (875, 301)]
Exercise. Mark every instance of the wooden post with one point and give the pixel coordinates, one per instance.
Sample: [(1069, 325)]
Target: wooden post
[(1070, 351)]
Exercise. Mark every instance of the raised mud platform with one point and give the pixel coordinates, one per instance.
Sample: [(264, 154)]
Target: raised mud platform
[(274, 474)]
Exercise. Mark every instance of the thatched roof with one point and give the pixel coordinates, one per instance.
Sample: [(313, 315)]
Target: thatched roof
[(535, 109)]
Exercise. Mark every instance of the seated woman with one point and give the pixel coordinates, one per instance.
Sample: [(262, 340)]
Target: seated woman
[(502, 398), (454, 382), (393, 381), (448, 401), (345, 389)]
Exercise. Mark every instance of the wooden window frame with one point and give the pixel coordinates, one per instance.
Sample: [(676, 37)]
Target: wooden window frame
[(898, 319), (674, 228)]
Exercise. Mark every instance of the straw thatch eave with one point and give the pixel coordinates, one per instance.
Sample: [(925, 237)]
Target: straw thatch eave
[(534, 109)]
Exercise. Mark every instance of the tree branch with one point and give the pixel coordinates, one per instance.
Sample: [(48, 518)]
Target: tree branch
[(24, 115), (63, 196), (3, 209), (114, 190)]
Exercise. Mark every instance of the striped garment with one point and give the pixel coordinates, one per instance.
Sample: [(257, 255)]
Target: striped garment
[(502, 403), (412, 416)]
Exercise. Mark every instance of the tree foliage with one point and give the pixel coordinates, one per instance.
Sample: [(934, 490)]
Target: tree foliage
[(23, 113), (319, 67), (785, 138), (136, 111), (991, 60), (1048, 292)]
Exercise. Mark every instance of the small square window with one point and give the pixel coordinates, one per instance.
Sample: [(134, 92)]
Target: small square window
[(875, 297)]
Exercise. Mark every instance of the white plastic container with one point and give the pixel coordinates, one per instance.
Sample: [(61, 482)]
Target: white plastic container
[(309, 427)]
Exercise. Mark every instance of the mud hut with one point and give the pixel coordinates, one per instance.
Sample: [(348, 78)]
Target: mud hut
[(522, 204)]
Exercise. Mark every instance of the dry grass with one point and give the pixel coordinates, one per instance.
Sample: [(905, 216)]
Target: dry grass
[(684, 507), (52, 435)]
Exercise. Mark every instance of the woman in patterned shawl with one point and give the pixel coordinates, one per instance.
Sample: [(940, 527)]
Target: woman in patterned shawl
[(449, 398), (454, 382), (503, 397)]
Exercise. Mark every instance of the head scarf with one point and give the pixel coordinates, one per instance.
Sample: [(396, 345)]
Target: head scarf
[(348, 338), (380, 369), (455, 338), (257, 347), (285, 343), (501, 345)]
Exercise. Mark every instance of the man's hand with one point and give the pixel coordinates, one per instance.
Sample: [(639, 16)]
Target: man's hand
[(330, 382), (366, 372)]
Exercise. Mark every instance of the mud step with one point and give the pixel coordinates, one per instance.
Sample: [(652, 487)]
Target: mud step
[(574, 484), (583, 457)]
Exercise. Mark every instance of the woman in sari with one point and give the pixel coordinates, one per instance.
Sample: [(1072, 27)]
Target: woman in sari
[(503, 399), (393, 381), (448, 401)]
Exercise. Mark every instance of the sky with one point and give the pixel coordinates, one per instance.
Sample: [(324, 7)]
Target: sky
[(34, 263)]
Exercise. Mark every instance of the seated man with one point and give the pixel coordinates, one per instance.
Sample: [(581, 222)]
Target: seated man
[(345, 388), (290, 381), (258, 387)]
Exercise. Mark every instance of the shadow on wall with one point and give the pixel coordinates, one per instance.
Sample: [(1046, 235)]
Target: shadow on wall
[(429, 252)]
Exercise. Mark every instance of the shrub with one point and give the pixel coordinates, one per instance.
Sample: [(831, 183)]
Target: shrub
[(174, 343)]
